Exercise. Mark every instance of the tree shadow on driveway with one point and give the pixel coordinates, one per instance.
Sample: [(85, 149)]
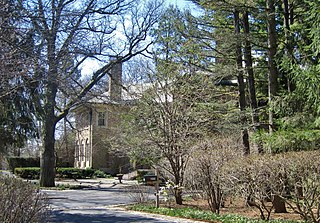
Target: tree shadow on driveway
[(100, 216)]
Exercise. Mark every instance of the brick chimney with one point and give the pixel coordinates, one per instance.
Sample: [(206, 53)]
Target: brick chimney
[(115, 82)]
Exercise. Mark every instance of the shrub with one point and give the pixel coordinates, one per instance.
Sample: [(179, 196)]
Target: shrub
[(21, 201), (250, 177), (294, 177), (302, 181), (74, 173), (139, 194), (70, 173), (30, 173), (204, 171), (100, 174), (15, 162)]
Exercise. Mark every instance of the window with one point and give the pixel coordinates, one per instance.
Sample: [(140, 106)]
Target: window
[(77, 151), (101, 119), (82, 151), (87, 150)]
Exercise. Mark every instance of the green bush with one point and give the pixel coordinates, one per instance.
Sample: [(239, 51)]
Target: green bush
[(15, 162), (69, 173), (100, 174), (74, 173), (21, 201), (30, 173)]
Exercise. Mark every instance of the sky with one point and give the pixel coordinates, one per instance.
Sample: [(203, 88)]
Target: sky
[(90, 66), (182, 4)]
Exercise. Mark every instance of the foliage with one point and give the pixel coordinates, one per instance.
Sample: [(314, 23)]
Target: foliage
[(74, 173), (100, 174), (194, 213), (69, 173), (173, 115), (64, 37), (21, 202), (292, 140), (16, 118), (27, 172), (23, 162), (297, 125)]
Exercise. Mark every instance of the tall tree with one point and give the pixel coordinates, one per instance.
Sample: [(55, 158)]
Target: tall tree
[(272, 68), (16, 123), (110, 31), (172, 117), (241, 85), (250, 76)]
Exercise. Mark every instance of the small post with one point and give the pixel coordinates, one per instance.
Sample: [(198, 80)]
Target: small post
[(120, 176), (157, 189)]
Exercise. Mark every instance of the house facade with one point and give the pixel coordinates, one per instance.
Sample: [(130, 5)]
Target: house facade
[(97, 122)]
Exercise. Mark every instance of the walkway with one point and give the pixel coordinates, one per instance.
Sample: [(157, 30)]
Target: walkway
[(100, 203)]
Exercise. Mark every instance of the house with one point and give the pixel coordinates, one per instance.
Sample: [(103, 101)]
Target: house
[(97, 122)]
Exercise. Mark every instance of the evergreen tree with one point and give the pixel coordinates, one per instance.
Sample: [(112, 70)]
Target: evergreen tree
[(17, 122)]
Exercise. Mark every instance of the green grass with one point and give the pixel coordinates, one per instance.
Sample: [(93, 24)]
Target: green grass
[(194, 213)]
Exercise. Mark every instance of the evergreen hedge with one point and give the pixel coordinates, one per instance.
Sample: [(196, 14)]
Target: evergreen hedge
[(69, 173)]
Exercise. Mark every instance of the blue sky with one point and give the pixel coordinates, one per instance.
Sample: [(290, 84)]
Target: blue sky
[(180, 3), (184, 4), (91, 66)]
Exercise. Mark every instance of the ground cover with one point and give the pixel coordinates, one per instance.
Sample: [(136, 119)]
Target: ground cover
[(233, 212)]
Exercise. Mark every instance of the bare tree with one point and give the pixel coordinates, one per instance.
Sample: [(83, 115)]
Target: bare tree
[(171, 118), (66, 34)]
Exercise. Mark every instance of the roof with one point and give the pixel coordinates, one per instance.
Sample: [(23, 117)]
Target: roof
[(129, 94)]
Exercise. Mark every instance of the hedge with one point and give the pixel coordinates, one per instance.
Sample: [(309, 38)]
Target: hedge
[(69, 173), (15, 162), (27, 172)]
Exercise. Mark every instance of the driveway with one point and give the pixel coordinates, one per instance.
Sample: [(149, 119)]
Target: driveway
[(100, 203)]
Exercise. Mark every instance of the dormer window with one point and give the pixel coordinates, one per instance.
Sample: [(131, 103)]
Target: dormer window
[(101, 119)]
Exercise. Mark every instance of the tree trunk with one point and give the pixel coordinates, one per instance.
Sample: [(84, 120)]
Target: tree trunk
[(178, 195), (48, 159), (272, 50), (241, 83), (279, 205), (251, 80)]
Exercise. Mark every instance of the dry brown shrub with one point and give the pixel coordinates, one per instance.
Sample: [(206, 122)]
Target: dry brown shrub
[(21, 202), (204, 173), (139, 193), (294, 176)]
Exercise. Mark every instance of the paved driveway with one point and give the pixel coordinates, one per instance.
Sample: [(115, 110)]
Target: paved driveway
[(98, 205), (107, 215), (87, 198)]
